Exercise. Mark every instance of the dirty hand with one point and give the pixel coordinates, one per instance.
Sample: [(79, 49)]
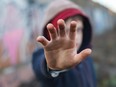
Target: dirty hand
[(61, 50)]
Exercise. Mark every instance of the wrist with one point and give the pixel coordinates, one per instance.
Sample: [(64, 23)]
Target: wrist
[(55, 73)]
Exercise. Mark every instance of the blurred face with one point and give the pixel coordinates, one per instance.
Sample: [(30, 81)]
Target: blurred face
[(79, 36)]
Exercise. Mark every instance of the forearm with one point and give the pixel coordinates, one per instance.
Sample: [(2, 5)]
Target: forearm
[(41, 70)]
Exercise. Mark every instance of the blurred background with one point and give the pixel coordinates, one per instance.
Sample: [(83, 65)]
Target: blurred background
[(20, 21)]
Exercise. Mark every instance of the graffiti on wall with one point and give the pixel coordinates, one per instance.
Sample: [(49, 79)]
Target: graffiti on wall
[(13, 35)]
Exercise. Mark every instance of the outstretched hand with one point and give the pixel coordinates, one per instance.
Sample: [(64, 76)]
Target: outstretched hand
[(61, 50)]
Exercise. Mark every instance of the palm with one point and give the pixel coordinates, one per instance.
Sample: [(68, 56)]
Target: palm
[(60, 44), (60, 52)]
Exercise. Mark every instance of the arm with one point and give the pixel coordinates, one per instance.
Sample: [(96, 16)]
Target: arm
[(60, 52), (40, 67)]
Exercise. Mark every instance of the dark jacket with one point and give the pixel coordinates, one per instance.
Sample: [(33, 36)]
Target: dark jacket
[(81, 75)]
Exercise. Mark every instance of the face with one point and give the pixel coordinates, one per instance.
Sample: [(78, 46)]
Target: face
[(79, 35)]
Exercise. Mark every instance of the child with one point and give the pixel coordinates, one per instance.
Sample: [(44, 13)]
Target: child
[(64, 59)]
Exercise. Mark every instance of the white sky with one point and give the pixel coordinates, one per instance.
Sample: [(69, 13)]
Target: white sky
[(111, 4)]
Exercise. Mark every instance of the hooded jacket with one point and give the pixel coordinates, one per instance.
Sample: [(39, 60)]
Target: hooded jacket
[(82, 75)]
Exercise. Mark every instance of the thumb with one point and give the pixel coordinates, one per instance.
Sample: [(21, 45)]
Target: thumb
[(82, 55), (42, 40)]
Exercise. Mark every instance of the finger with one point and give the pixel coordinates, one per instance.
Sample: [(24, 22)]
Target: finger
[(61, 27), (52, 31), (72, 33), (82, 55), (42, 40)]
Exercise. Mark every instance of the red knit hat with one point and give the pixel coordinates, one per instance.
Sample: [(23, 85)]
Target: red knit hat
[(64, 15)]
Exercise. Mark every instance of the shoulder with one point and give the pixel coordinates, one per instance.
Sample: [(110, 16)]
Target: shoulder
[(89, 59), (37, 53)]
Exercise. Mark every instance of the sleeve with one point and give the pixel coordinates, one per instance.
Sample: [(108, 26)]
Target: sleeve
[(39, 65), (93, 72)]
